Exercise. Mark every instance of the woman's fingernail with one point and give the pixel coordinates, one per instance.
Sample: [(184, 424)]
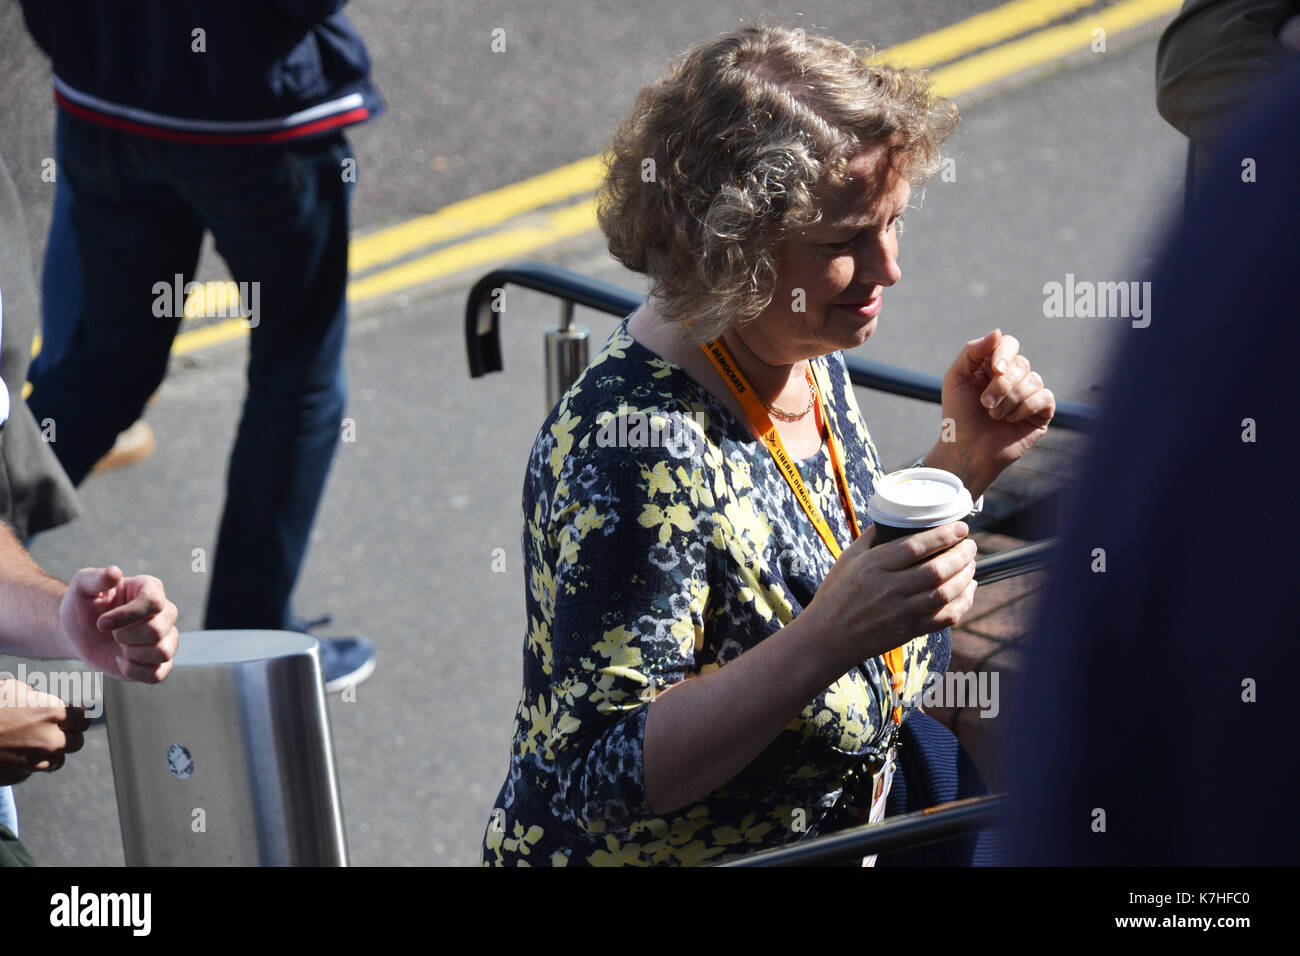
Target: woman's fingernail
[(1000, 365), (988, 401)]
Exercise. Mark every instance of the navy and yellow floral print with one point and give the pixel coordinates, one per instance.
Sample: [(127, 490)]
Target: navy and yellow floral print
[(661, 542)]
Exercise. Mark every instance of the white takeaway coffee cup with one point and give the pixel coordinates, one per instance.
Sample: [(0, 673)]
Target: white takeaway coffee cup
[(914, 499)]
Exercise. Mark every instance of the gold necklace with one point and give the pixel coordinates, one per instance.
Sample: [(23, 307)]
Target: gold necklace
[(793, 416)]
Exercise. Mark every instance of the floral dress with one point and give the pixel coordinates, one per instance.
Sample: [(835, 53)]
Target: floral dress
[(661, 542)]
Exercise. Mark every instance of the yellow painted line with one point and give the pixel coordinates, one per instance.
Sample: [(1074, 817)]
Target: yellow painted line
[(496, 206), (478, 212), (983, 29), (1046, 45), (552, 227), (201, 338), (1037, 48), (500, 205), (527, 237)]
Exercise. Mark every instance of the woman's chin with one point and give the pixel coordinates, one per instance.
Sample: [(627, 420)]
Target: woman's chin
[(854, 328), (863, 332)]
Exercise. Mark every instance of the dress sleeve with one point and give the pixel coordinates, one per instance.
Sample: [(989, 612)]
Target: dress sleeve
[(1213, 57), (625, 534)]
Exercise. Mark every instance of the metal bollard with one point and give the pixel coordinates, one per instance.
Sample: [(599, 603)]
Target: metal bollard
[(229, 761), (566, 355)]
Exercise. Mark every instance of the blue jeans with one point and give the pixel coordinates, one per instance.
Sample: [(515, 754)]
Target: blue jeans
[(137, 209), (60, 280), (8, 812)]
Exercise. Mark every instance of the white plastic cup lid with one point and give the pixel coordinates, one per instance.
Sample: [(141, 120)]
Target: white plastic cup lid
[(919, 498)]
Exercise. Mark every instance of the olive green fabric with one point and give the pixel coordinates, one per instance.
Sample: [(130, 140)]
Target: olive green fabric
[(1213, 58), (1210, 63), (35, 494), (12, 851)]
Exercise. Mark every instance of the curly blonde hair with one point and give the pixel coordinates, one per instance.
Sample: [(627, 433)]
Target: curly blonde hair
[(723, 156)]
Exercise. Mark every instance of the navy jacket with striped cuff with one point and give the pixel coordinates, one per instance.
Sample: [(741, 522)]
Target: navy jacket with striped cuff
[(225, 72)]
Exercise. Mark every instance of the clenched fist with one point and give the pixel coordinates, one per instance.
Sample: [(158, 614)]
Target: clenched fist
[(123, 626)]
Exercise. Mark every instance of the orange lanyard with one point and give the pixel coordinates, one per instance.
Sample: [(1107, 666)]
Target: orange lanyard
[(762, 422)]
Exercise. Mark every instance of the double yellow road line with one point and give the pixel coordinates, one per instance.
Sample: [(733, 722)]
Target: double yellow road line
[(998, 43)]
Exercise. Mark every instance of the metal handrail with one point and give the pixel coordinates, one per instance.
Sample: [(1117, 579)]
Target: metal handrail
[(483, 335), (1014, 562), (932, 825), (482, 332)]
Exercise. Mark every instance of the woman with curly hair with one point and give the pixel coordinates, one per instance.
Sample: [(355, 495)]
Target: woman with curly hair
[(717, 659)]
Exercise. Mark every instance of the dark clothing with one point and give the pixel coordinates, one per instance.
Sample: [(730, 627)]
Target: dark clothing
[(1213, 59), (934, 768), (280, 220), (1159, 693), (143, 99), (12, 852), (261, 71)]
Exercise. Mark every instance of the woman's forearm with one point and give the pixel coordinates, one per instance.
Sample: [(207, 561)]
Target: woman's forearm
[(976, 478), (704, 730)]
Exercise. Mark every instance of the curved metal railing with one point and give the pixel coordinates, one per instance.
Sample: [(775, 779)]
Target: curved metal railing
[(483, 334), (932, 825)]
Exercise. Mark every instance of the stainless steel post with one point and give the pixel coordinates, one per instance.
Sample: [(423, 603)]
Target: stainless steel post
[(566, 355), (229, 761)]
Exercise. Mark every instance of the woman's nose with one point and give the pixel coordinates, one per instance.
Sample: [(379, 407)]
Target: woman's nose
[(877, 261)]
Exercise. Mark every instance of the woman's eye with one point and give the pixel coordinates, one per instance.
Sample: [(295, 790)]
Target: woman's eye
[(844, 245)]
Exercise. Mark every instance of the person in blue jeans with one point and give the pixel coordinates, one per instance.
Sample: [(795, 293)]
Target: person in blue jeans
[(60, 282), (157, 144)]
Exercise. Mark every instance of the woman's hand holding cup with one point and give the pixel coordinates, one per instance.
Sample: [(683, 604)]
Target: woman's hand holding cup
[(876, 598)]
